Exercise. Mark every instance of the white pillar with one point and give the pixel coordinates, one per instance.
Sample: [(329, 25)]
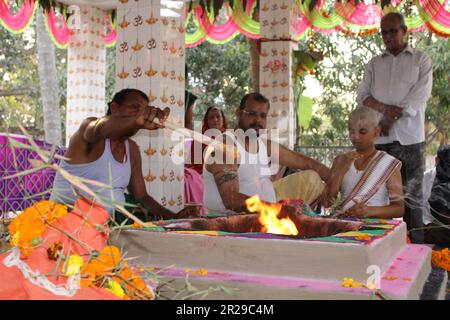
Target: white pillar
[(275, 67), (150, 57), (86, 70)]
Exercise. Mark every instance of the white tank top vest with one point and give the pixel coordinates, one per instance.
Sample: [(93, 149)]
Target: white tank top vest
[(105, 169), (351, 178), (253, 174)]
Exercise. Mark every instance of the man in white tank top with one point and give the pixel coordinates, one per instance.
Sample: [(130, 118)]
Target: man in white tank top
[(104, 142), (242, 170)]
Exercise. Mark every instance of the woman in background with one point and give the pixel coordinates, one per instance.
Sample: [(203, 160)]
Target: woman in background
[(214, 122), (193, 179)]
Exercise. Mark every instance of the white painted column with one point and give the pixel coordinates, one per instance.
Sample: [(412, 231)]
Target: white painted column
[(150, 57), (86, 69), (275, 67)]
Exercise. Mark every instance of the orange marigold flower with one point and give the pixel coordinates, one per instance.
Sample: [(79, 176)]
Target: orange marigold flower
[(100, 265), (390, 278), (136, 225), (363, 237), (441, 258), (27, 228), (135, 287)]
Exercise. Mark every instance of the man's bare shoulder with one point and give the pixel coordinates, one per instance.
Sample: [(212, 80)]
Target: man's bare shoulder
[(79, 149), (79, 134)]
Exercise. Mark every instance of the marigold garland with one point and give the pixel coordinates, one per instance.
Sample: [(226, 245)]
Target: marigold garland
[(441, 258), (132, 283), (98, 266), (103, 269), (108, 271), (26, 229), (362, 33)]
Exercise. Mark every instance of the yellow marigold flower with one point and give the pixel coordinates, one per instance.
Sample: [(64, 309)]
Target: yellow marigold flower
[(349, 282), (115, 288), (15, 239), (73, 265), (201, 272), (136, 226), (187, 270)]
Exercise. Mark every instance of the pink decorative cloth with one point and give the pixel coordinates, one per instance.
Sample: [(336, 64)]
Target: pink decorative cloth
[(193, 187)]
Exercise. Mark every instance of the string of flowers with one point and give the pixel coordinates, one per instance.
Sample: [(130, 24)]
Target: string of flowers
[(362, 33)]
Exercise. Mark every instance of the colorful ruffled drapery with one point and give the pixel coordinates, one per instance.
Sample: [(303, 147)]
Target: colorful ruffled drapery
[(19, 21), (110, 37), (57, 28), (237, 21), (345, 16), (56, 25)]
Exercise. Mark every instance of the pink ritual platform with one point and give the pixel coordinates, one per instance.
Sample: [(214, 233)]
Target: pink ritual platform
[(268, 266)]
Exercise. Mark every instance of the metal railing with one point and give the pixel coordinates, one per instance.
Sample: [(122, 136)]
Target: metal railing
[(20, 192)]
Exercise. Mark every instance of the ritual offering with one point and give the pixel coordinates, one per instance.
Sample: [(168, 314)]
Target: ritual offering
[(279, 252)]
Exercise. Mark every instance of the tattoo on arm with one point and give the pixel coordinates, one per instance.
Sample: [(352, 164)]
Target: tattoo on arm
[(229, 176)]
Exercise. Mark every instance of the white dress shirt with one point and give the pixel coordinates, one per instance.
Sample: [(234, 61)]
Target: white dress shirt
[(405, 81)]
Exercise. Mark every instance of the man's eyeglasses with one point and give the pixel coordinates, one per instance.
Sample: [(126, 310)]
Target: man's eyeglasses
[(389, 31), (255, 114)]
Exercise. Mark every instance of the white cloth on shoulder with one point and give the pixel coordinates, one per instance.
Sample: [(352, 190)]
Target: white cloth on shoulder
[(369, 186)]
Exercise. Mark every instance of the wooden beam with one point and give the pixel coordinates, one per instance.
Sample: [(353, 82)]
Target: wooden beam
[(14, 92)]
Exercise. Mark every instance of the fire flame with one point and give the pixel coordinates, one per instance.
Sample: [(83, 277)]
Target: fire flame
[(268, 217)]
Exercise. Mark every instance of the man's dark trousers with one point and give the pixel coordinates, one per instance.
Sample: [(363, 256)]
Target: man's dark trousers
[(413, 164)]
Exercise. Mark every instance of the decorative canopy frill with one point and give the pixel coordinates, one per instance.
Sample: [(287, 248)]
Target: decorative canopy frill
[(238, 21), (56, 24), (362, 19), (60, 33), (19, 21)]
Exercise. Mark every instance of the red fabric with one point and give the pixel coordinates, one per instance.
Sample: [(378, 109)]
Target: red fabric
[(81, 223)]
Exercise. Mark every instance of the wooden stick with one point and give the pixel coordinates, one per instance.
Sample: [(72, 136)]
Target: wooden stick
[(197, 136)]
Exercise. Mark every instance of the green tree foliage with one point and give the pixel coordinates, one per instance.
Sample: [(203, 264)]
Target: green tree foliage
[(19, 82), (438, 111), (18, 74), (222, 73), (341, 73)]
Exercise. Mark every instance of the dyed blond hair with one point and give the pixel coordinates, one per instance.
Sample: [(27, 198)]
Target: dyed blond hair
[(371, 116)]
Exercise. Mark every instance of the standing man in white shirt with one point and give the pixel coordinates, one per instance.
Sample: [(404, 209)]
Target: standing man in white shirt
[(397, 84)]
